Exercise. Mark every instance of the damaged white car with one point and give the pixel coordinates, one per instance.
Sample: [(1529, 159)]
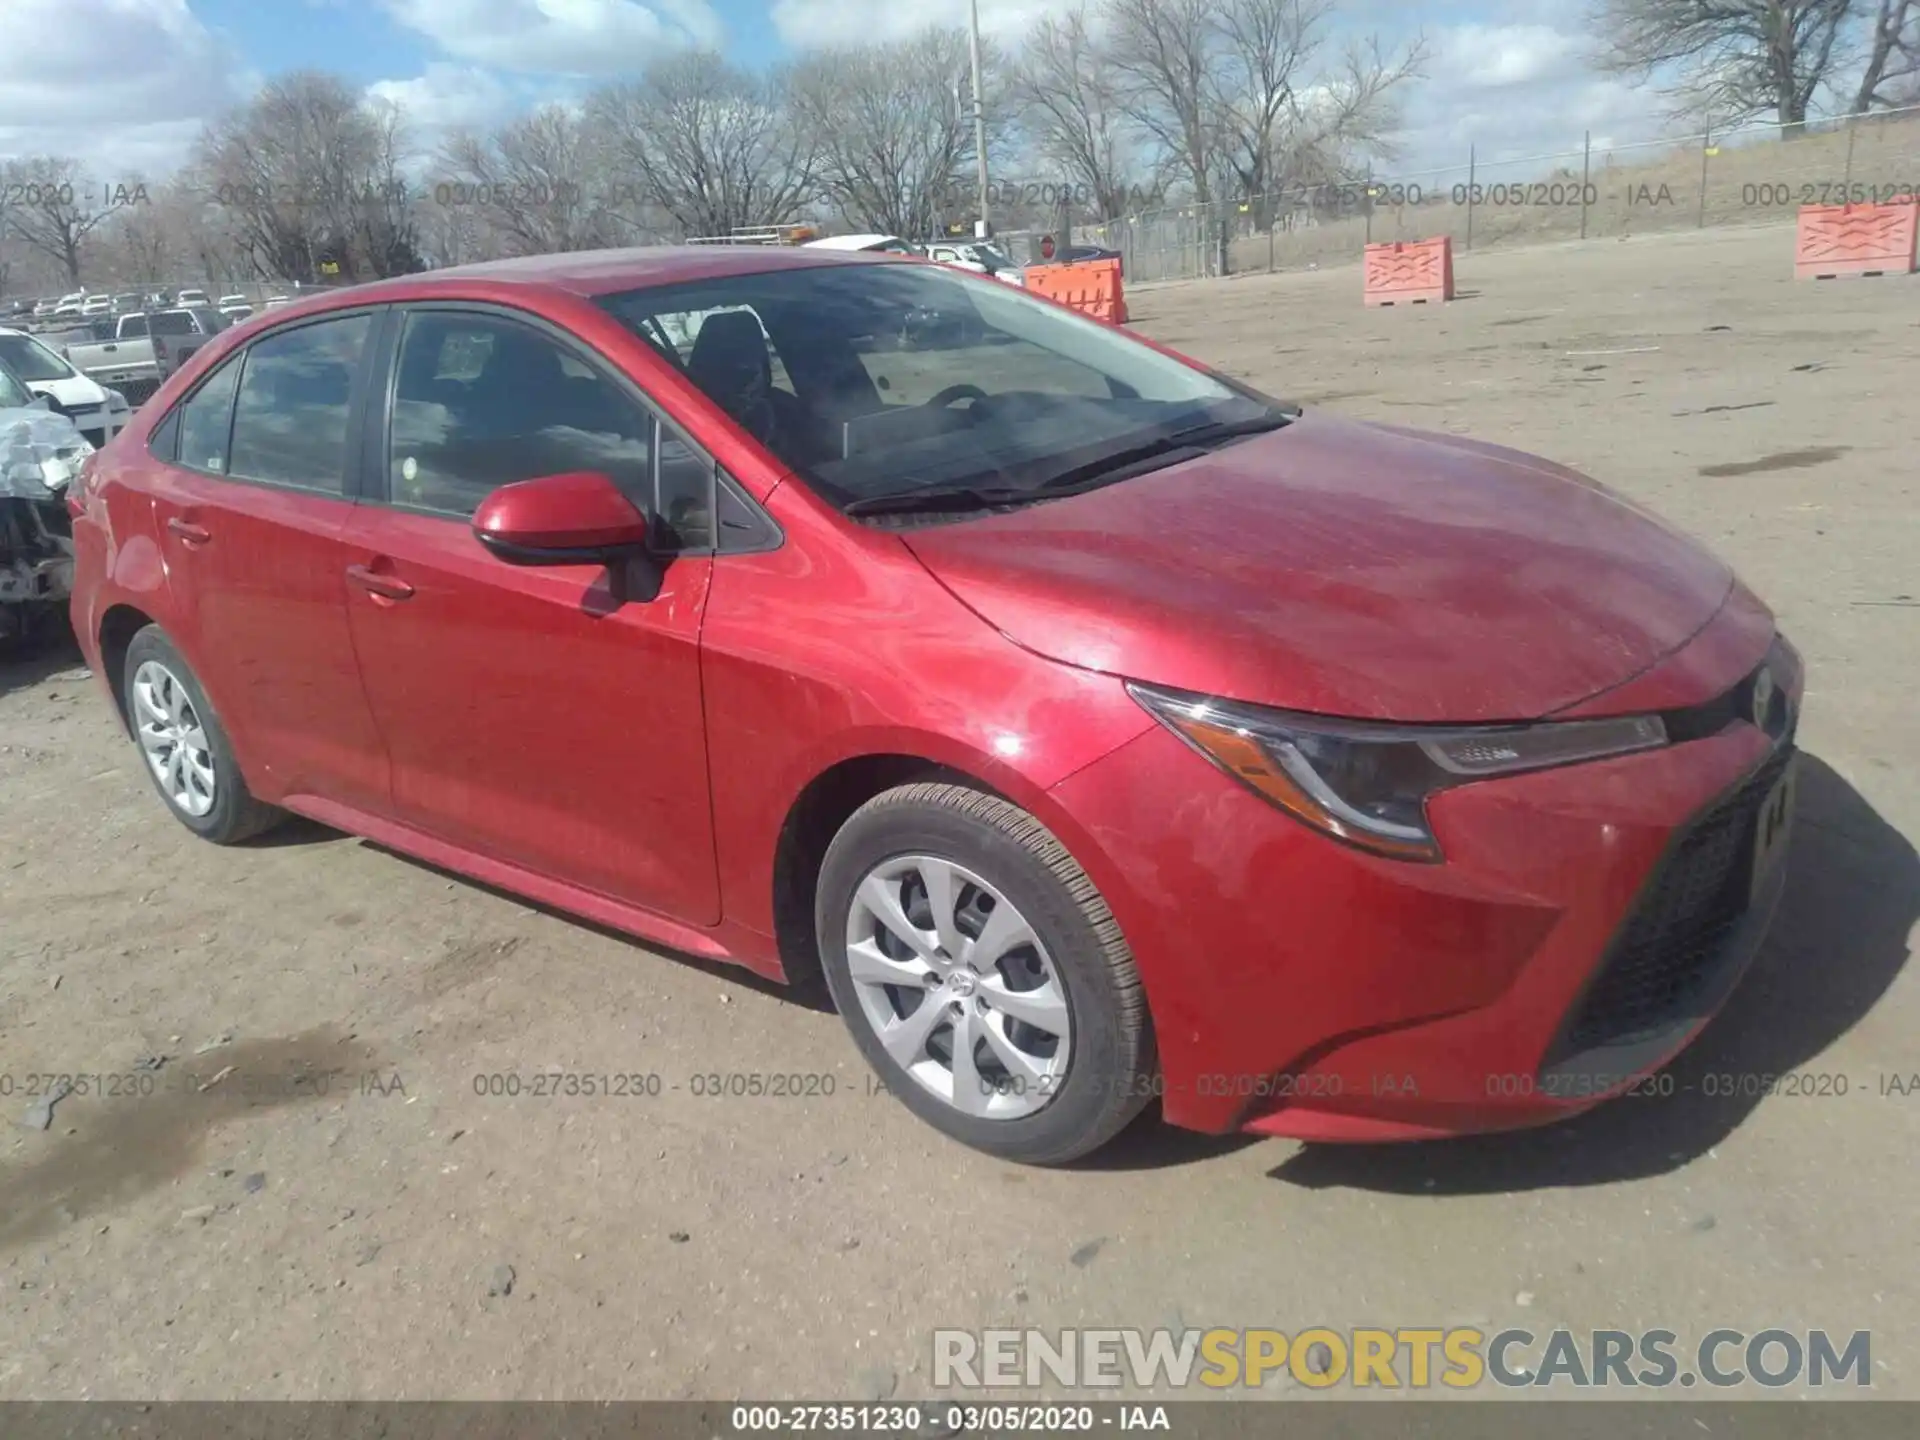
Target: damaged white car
[(40, 455)]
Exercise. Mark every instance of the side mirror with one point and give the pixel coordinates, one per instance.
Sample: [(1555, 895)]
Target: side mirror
[(580, 518)]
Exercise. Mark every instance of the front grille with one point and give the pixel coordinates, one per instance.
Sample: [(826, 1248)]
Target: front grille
[(1664, 958)]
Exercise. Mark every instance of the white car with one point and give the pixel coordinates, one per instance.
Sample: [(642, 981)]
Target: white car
[(890, 244), (191, 297), (981, 259), (228, 302), (97, 413)]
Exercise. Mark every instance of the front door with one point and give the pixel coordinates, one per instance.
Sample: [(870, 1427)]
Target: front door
[(531, 715)]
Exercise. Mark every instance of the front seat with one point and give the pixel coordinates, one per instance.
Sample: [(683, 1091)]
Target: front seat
[(731, 366)]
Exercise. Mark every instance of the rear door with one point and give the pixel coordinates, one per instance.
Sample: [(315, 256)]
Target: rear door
[(532, 714), (251, 507)]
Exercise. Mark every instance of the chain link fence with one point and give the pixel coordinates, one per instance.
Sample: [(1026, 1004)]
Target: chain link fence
[(1752, 175)]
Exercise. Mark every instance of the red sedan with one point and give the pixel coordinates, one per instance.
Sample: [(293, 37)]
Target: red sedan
[(1103, 729)]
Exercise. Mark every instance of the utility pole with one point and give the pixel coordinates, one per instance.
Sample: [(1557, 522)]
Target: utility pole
[(982, 228)]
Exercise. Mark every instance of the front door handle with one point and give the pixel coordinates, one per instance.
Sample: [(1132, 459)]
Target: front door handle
[(188, 531), (381, 587)]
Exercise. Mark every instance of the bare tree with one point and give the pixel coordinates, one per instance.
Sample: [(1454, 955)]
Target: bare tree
[(1065, 87), (307, 177), (527, 182), (54, 206), (1735, 58), (141, 243), (891, 128), (385, 229), (1890, 69), (704, 143), (1163, 51), (1288, 121)]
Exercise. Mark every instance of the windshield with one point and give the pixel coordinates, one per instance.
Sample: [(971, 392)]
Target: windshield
[(31, 360), (876, 380)]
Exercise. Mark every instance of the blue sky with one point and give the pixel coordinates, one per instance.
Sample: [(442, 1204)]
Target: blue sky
[(1509, 76)]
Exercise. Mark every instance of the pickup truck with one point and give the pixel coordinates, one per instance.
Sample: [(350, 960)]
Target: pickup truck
[(144, 349)]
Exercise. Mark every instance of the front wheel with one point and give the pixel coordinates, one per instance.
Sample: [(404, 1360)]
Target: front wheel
[(982, 974)]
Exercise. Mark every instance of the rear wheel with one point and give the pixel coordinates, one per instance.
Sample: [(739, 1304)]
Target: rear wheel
[(982, 974), (187, 753)]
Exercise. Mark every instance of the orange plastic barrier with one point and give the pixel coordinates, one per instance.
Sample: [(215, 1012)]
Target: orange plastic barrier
[(1092, 287), (1836, 240), (1409, 272)]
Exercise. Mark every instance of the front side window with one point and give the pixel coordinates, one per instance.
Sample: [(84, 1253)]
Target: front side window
[(480, 402), (922, 380), (290, 417)]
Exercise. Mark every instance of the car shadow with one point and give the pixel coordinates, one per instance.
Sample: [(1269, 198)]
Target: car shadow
[(1838, 941), (1149, 1143), (52, 651)]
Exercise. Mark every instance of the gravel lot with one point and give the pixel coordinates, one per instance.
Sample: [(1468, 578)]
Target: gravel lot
[(252, 1239)]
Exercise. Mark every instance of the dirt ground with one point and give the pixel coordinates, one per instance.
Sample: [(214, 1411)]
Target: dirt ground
[(341, 1238)]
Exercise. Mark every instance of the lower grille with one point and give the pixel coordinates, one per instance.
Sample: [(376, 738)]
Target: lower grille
[(1664, 958)]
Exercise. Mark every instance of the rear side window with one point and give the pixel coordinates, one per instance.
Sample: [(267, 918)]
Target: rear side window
[(133, 327), (205, 420), (290, 418)]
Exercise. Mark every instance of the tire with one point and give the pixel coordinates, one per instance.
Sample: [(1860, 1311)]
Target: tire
[(1100, 1069), (233, 814)]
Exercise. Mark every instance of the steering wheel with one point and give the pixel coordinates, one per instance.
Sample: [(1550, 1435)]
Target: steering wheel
[(955, 392)]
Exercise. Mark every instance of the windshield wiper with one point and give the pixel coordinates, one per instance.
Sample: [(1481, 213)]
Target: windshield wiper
[(943, 497), (1110, 468), (1157, 454)]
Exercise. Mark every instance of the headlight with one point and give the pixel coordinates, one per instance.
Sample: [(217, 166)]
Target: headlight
[(1368, 784)]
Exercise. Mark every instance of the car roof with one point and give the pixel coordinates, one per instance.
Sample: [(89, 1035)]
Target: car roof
[(590, 273)]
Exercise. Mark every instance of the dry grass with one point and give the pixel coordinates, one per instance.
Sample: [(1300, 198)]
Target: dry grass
[(1633, 191)]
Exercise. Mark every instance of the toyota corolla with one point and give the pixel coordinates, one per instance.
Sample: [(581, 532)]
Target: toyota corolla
[(1102, 731)]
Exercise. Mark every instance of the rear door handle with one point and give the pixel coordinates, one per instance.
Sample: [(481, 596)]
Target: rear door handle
[(188, 531), (384, 587)]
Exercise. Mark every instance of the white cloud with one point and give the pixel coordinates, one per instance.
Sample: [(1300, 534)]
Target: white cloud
[(1490, 57), (806, 24), (1514, 90), (561, 37), (125, 85), (450, 97)]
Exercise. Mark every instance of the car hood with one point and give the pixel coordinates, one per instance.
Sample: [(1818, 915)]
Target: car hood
[(1346, 569)]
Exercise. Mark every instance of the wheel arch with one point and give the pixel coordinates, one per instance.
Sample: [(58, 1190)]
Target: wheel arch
[(118, 626), (815, 816)]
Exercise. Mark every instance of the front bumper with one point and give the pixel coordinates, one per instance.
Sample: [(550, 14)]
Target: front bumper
[(1586, 923)]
